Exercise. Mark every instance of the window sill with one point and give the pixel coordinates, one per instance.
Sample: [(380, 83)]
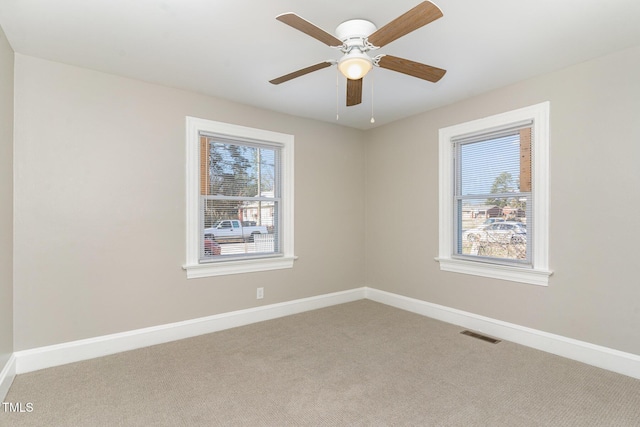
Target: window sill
[(496, 271), (195, 271)]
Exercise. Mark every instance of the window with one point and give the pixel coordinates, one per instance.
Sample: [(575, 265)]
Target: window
[(494, 196), (239, 199), (238, 179), (492, 181)]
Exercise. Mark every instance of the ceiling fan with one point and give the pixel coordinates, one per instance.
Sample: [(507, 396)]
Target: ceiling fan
[(356, 37)]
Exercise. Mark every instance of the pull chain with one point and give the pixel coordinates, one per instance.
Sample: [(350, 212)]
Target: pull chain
[(372, 119), (337, 93)]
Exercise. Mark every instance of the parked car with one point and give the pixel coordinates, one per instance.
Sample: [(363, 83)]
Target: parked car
[(232, 229), (498, 232), (492, 220), (211, 247)]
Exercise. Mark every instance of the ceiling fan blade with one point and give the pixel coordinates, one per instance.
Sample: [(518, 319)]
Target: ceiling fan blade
[(301, 72), (411, 68), (308, 28), (354, 92), (415, 18)]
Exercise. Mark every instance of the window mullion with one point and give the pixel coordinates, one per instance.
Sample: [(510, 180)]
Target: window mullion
[(241, 198)]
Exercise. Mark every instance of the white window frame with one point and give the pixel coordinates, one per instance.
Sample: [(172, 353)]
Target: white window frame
[(538, 273), (193, 266)]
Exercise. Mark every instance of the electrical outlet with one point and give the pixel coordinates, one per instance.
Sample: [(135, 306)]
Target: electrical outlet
[(259, 293)]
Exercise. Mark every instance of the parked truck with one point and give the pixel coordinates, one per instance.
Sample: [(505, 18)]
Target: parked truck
[(232, 229)]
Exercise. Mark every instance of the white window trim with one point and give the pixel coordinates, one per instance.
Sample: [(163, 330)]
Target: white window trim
[(193, 266), (539, 273)]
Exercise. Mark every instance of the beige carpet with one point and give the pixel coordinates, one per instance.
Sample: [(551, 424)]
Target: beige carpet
[(361, 363)]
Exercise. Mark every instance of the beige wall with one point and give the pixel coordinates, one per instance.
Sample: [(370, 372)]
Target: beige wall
[(594, 293), (6, 200), (100, 206)]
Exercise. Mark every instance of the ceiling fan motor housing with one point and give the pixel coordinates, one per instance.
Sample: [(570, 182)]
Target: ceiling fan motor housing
[(354, 32)]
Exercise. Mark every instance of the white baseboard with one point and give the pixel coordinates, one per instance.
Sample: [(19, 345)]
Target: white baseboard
[(7, 375), (591, 354), (60, 354), (75, 351)]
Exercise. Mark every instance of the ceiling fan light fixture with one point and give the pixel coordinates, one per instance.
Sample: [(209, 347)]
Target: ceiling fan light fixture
[(355, 65)]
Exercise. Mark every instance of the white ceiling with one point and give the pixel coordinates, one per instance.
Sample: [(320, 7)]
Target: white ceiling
[(232, 48)]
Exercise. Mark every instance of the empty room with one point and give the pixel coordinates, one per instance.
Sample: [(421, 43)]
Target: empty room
[(319, 213)]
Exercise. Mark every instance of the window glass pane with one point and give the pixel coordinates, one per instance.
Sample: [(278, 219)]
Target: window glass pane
[(491, 166), (492, 202), (494, 230), (239, 200), (240, 170)]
